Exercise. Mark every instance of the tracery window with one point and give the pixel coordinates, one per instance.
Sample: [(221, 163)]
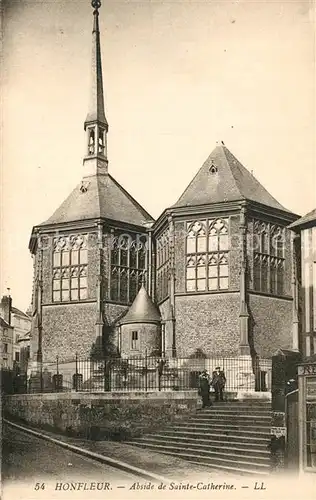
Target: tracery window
[(128, 265), (207, 250), (70, 266), (162, 249), (268, 271)]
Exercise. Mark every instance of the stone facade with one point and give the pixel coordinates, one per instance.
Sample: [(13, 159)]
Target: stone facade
[(68, 329), (207, 322), (190, 320), (270, 324)]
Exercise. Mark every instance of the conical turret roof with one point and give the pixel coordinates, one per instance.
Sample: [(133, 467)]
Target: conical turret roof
[(143, 310)]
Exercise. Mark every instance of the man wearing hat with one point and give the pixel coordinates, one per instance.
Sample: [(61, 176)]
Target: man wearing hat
[(218, 382), (204, 388)]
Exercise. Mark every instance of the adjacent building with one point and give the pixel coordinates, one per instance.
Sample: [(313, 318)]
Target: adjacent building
[(15, 324), (21, 323), (304, 266), (6, 332)]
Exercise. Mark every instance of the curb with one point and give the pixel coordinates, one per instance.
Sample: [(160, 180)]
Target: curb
[(149, 476)]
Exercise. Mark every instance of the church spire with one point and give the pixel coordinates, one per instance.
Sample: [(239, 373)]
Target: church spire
[(96, 125)]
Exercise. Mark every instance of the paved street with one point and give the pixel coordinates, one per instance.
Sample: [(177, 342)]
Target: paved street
[(29, 458)]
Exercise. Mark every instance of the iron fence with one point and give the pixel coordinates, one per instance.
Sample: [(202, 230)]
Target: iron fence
[(147, 373)]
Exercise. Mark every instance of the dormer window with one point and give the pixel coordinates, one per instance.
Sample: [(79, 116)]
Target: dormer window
[(91, 141), (213, 168), (101, 141)]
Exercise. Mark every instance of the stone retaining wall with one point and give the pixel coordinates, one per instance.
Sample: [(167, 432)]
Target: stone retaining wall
[(101, 416)]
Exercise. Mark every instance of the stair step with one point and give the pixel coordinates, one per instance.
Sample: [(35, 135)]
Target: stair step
[(192, 435), (226, 468), (218, 458), (219, 411), (207, 448), (228, 418), (241, 444), (224, 426), (264, 460), (223, 430), (234, 411)]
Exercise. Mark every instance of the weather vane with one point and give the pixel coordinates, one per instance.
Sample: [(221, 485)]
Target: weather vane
[(96, 4)]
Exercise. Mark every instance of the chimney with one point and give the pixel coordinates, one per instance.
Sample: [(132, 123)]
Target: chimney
[(6, 306)]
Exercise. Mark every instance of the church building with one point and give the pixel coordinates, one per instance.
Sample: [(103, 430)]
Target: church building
[(213, 273)]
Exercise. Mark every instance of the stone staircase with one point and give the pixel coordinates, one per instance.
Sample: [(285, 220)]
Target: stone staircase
[(228, 436)]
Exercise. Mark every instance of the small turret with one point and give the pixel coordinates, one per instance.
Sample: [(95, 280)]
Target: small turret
[(141, 327)]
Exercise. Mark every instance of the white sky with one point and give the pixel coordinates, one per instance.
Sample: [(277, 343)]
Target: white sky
[(178, 75)]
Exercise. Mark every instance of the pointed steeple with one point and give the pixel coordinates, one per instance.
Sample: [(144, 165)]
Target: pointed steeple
[(96, 125)]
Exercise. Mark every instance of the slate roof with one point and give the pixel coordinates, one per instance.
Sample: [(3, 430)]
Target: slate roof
[(4, 324), (231, 182), (104, 198), (306, 219), (143, 310), (15, 310)]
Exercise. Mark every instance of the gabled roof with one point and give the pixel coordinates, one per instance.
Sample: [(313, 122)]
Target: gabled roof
[(17, 311), (101, 197), (306, 219), (223, 178), (143, 310)]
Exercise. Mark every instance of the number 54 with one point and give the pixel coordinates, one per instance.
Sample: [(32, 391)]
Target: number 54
[(39, 486)]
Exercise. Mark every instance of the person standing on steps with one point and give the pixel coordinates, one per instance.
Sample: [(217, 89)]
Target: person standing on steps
[(204, 388), (218, 383)]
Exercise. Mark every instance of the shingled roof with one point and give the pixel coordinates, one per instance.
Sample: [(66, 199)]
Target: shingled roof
[(100, 196), (306, 219), (223, 178), (143, 310)]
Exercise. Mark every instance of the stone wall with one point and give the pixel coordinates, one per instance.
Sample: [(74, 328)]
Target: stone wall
[(208, 322), (67, 329), (179, 256), (148, 339), (271, 323), (166, 317), (107, 416)]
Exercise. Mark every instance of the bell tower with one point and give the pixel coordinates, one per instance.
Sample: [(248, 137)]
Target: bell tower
[(96, 126)]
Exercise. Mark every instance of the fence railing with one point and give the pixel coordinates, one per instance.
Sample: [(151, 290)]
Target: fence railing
[(147, 373)]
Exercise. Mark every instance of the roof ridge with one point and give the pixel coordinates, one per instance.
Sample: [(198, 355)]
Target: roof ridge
[(251, 176), (223, 150), (19, 311), (99, 189), (130, 197)]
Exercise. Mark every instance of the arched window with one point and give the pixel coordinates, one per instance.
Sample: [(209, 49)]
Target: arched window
[(101, 141), (91, 141)]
